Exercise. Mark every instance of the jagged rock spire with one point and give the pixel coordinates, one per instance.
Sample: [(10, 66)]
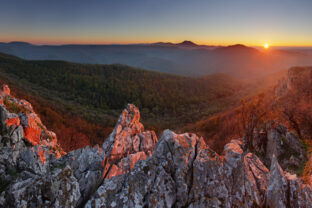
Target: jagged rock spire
[(128, 143), (278, 185), (134, 169)]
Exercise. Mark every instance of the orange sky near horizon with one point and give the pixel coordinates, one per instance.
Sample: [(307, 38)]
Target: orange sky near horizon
[(214, 42), (222, 22)]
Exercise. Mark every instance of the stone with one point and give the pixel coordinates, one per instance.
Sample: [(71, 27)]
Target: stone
[(60, 189), (276, 140), (233, 153), (183, 171), (274, 144), (292, 141), (277, 188), (128, 143), (132, 168)]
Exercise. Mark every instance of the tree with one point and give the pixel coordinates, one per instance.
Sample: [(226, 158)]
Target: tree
[(252, 115)]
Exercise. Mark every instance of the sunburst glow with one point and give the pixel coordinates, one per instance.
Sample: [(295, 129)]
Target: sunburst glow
[(266, 45)]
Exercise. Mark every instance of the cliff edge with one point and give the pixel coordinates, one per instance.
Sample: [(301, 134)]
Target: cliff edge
[(133, 168)]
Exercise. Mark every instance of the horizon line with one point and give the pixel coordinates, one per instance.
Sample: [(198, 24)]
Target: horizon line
[(145, 43)]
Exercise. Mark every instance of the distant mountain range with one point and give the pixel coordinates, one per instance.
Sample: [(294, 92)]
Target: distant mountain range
[(185, 58)]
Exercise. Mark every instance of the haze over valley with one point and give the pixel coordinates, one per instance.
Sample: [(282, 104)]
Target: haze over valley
[(185, 58)]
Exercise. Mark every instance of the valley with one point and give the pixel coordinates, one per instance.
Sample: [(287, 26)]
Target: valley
[(88, 98), (185, 58)]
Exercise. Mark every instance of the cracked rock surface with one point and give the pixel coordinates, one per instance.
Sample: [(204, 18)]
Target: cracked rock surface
[(133, 168)]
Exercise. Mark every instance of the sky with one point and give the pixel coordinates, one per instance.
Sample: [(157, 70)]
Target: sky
[(211, 22)]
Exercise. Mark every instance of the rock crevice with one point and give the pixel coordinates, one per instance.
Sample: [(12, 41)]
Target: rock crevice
[(132, 168)]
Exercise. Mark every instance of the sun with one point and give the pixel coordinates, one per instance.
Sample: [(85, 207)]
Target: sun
[(266, 45)]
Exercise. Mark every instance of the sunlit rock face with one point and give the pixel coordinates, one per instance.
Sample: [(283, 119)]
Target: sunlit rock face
[(26, 149), (19, 119), (132, 168), (127, 144), (22, 130), (297, 79)]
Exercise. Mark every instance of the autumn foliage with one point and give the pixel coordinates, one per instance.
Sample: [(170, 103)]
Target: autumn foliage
[(296, 105), (73, 132)]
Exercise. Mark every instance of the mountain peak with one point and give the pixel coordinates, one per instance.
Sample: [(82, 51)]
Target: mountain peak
[(20, 43), (187, 43), (237, 48)]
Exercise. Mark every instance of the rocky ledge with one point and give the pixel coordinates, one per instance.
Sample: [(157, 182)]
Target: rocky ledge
[(134, 169)]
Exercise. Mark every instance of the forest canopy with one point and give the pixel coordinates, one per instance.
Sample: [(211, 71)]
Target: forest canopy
[(98, 93)]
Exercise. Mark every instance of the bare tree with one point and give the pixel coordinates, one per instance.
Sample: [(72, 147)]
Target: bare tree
[(252, 114)]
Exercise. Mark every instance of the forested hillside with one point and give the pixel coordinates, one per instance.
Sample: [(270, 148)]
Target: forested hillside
[(97, 93)]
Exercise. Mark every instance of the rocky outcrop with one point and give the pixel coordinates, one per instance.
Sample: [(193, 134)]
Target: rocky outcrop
[(56, 189), (278, 185), (286, 190), (184, 172), (30, 156), (297, 79), (26, 149), (275, 139), (132, 168), (21, 126), (127, 144)]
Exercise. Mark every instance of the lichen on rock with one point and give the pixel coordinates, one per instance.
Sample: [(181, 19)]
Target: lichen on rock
[(132, 168)]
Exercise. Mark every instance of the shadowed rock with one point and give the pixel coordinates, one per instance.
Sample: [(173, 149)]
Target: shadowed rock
[(132, 168), (278, 185)]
